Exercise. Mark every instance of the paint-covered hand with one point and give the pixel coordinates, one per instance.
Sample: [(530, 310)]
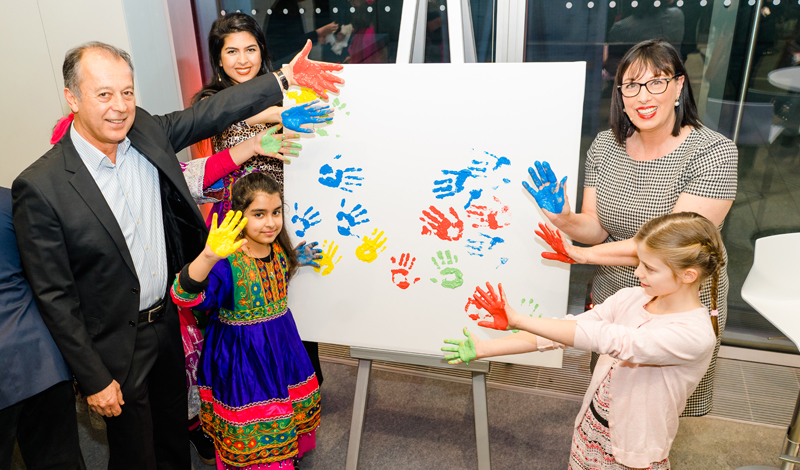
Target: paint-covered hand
[(549, 193), (494, 304), (464, 349), (371, 246), (308, 254), (222, 240), (306, 113), (440, 225), (313, 74), (553, 238), (278, 146)]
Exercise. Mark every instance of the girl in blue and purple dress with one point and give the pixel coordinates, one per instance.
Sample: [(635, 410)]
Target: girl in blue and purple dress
[(259, 393)]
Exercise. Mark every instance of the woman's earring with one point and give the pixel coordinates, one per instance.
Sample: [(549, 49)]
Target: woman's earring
[(677, 103), (219, 80)]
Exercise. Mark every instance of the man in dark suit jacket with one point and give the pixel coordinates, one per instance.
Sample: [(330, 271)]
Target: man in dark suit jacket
[(37, 403), (104, 220)]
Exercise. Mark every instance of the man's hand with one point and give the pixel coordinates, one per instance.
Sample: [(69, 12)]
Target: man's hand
[(107, 402)]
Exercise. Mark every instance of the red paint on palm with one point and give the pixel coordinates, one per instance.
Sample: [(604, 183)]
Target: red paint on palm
[(315, 75), (494, 304), (553, 238), (440, 225)]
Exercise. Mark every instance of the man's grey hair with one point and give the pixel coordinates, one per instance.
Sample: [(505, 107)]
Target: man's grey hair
[(72, 63)]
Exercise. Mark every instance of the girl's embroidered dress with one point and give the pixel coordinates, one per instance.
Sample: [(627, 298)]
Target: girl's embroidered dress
[(260, 397)]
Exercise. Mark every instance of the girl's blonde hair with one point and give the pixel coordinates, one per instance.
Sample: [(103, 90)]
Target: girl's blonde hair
[(687, 240)]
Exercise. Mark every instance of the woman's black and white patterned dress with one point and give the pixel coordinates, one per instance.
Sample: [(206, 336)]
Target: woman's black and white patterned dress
[(630, 193)]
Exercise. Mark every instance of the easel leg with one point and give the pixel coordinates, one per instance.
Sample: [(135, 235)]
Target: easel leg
[(481, 419), (359, 413)]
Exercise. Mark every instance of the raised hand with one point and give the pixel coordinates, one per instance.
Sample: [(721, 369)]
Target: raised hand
[(445, 268), (352, 218), (494, 304), (553, 238), (404, 268), (369, 249), (222, 240), (308, 254), (313, 74), (327, 262), (306, 113), (273, 145), (441, 226), (307, 220), (464, 349), (487, 217), (549, 193)]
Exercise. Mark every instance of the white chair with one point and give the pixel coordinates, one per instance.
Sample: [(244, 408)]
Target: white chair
[(772, 288)]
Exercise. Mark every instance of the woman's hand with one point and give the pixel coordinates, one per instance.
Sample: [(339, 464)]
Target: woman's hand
[(503, 316), (564, 252), (277, 146), (324, 31), (308, 254), (222, 240), (312, 74), (549, 193), (307, 113), (465, 350)]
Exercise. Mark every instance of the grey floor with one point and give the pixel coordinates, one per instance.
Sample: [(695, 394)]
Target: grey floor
[(418, 423)]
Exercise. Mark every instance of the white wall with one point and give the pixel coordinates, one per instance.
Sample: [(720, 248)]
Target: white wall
[(37, 34)]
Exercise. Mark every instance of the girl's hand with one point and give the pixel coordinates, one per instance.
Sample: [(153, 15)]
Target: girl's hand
[(307, 254), (465, 349), (564, 252), (549, 193), (497, 306), (307, 113), (277, 146), (222, 240), (312, 74)]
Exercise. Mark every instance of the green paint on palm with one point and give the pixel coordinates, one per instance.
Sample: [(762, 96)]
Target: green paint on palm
[(269, 143), (322, 132), (464, 349)]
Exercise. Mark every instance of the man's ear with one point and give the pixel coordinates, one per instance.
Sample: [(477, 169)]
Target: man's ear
[(72, 100), (689, 276)]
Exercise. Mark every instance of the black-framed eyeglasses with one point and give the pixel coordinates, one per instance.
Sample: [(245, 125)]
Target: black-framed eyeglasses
[(655, 86)]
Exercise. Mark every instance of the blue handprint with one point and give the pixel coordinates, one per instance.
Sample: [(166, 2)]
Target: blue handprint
[(351, 219), (306, 113), (340, 178), (549, 193), (499, 161), (475, 247), (306, 220), (473, 195), (453, 185)]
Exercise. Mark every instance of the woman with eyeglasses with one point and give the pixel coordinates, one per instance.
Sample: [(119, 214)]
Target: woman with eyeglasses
[(657, 158)]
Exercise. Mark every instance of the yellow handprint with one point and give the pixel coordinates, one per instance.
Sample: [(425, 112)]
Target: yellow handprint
[(369, 249), (326, 264), (303, 96), (223, 239)]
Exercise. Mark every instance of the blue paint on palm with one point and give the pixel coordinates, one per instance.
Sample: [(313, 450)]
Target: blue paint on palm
[(307, 221), (342, 179), (549, 192), (308, 254), (306, 113), (348, 220)]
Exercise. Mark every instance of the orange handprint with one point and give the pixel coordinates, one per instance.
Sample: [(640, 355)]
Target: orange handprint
[(400, 275), (443, 227), (488, 216)]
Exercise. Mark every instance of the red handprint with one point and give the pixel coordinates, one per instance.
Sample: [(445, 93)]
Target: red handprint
[(442, 226), (471, 301), (494, 304), (487, 217), (556, 243), (404, 267), (315, 75)]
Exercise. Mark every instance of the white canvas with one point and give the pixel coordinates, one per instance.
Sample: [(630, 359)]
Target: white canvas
[(398, 129)]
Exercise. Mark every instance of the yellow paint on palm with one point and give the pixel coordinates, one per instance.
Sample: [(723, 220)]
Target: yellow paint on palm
[(370, 247), (305, 95), (223, 240)]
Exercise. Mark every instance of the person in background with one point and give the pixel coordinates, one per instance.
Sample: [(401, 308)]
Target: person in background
[(37, 402), (657, 158)]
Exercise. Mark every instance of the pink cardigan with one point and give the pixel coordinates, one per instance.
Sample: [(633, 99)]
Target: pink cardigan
[(662, 359)]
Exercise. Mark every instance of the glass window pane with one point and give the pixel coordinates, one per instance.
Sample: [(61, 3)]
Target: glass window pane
[(437, 41), (483, 28)]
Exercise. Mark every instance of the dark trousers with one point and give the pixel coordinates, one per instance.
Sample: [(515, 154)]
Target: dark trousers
[(312, 348), (151, 432), (46, 428)]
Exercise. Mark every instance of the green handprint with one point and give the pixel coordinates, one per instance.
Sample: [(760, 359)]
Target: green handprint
[(464, 351), (530, 301), (271, 144), (446, 260)]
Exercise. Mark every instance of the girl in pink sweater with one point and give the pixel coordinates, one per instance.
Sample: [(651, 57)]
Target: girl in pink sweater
[(656, 343)]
